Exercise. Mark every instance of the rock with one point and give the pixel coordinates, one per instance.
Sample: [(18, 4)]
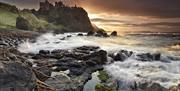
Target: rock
[(100, 57), (152, 87), (88, 48), (64, 83), (69, 35), (76, 71), (44, 52), (98, 35), (149, 57), (175, 88), (74, 18), (114, 33), (120, 57), (157, 56), (22, 23), (16, 76), (101, 33), (42, 73), (90, 33), (80, 34), (145, 57), (90, 63)]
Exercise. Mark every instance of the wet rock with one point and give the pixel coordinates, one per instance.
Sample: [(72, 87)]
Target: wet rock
[(100, 57), (175, 88), (80, 34), (120, 57), (90, 63), (16, 76), (64, 83), (101, 33), (75, 64), (69, 36), (149, 56), (76, 71), (90, 33), (44, 70), (157, 56), (152, 87), (88, 48), (44, 52), (145, 57), (114, 33)]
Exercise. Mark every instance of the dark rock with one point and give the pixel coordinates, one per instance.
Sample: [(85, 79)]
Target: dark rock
[(76, 71), (100, 57), (61, 68), (91, 63), (152, 87), (80, 34), (105, 34), (101, 33), (22, 23), (90, 33), (75, 64), (88, 48), (120, 57), (69, 35), (16, 76), (63, 83), (149, 56), (114, 33), (145, 57), (44, 52), (157, 56), (98, 35), (44, 70)]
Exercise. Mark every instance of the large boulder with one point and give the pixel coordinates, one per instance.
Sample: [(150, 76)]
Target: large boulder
[(16, 76), (22, 23)]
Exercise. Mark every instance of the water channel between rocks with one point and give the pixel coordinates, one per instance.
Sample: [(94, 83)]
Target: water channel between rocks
[(90, 85)]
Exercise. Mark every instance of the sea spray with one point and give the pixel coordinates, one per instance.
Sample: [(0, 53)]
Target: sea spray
[(167, 74)]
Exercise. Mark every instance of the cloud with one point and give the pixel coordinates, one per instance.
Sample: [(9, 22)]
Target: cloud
[(104, 20), (112, 22), (151, 8)]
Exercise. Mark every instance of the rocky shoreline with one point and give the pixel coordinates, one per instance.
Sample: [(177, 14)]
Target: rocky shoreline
[(62, 69)]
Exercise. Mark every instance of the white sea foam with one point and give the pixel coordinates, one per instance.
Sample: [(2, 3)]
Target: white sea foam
[(167, 74), (49, 42)]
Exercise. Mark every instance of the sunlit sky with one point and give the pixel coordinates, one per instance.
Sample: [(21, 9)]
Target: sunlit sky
[(124, 15)]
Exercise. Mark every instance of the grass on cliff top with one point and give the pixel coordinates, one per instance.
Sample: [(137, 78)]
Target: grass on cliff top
[(7, 19)]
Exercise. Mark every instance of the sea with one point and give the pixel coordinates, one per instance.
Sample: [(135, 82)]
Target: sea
[(165, 72)]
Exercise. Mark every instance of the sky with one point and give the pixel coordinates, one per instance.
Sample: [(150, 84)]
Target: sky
[(125, 15)]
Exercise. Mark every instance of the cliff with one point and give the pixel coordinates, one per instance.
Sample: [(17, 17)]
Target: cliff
[(75, 19), (58, 17)]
